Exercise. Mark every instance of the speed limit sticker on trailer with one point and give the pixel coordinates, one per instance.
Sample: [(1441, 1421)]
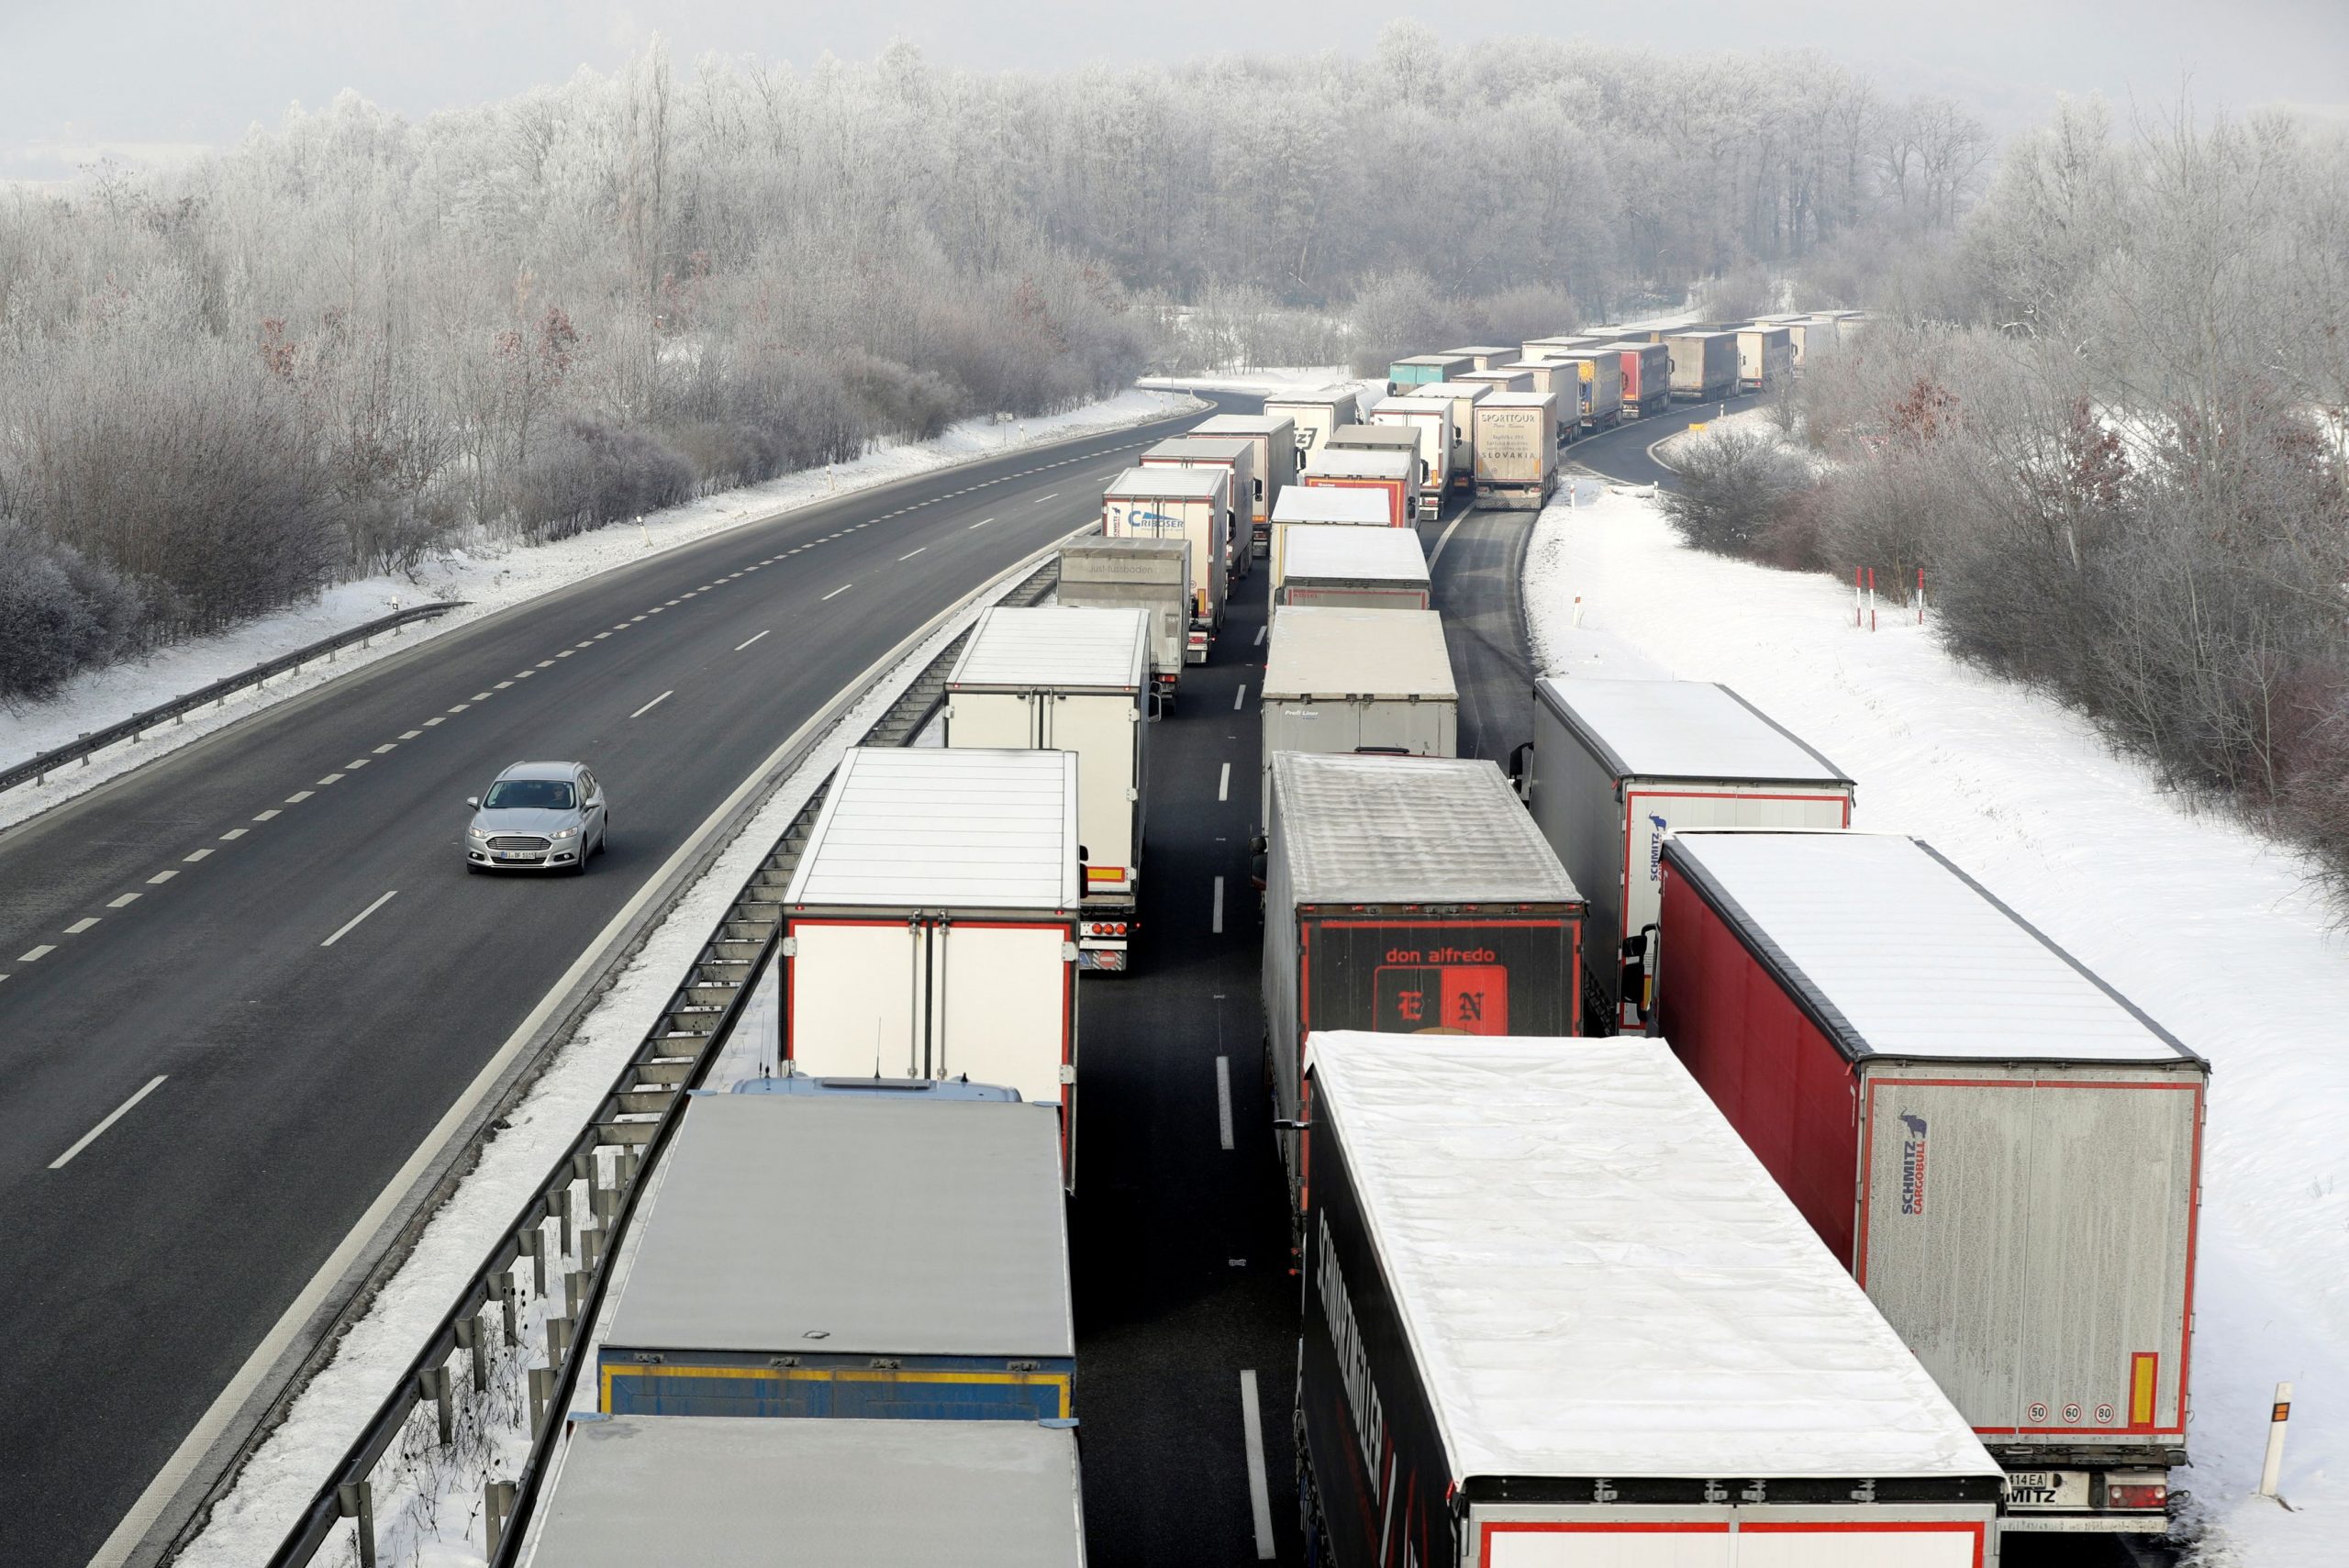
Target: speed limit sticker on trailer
[(2047, 1489)]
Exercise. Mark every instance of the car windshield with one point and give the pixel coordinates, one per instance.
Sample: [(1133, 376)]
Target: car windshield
[(527, 795)]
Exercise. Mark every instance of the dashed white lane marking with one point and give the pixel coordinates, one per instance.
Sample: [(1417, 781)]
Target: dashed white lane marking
[(161, 877), (410, 734), (37, 954), (1041, 499), (911, 553), (653, 611), (1223, 784), (84, 924), (355, 763), (1260, 635), (435, 720), (656, 702), (666, 603), (233, 834), (265, 815), (124, 902), (546, 663), (839, 591), (600, 636), (983, 522), (298, 796), (344, 930), (740, 646), (633, 619), (1215, 924), (118, 1113), (566, 653), (330, 778), (1260, 1496), (197, 855), (1223, 1099), (479, 696), (387, 746), (1240, 696), (503, 685)]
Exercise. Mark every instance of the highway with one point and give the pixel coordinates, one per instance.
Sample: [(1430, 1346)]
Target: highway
[(242, 983)]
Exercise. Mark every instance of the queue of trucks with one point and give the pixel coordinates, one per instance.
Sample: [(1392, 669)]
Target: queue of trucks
[(1677, 1174)]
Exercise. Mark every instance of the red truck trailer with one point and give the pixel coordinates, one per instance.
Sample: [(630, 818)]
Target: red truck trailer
[(1647, 379), (2003, 1151)]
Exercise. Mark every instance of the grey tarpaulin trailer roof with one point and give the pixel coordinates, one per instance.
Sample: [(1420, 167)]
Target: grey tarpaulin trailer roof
[(1597, 1278), (1469, 840), (1681, 729), (944, 828), (1892, 951), (1165, 482), (1372, 438), (723, 1492), (1340, 652), (1209, 448), (887, 1227), (1065, 647)]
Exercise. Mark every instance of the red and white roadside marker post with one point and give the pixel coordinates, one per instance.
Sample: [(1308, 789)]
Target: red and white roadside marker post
[(1859, 603), (1871, 598), (2271, 1469), (1920, 596)]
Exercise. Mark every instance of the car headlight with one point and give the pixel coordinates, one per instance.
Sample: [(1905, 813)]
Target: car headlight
[(564, 833), (477, 833)]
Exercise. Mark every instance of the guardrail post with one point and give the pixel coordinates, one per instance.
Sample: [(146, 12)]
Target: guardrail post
[(497, 1507), (558, 1340), (469, 1338), (591, 1248), (574, 1286), (356, 1500), (541, 1396), (505, 1297), (534, 1242), (559, 1198), (433, 1383)]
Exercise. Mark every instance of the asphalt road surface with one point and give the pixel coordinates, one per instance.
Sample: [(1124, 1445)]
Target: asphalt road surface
[(254, 974)]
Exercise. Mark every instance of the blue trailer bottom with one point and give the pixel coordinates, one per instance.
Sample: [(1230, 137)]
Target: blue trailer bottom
[(938, 1389)]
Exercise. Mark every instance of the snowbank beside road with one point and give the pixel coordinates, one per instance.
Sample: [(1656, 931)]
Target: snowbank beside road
[(490, 579), (2218, 933)]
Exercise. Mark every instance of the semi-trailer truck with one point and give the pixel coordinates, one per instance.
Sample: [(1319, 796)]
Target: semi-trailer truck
[(1193, 504), (1335, 564), (1274, 438), (1236, 455), (1150, 574), (1391, 471), (1349, 680), (1516, 450), (1704, 365)]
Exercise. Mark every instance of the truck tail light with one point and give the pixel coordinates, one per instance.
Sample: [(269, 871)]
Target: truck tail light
[(2136, 1495)]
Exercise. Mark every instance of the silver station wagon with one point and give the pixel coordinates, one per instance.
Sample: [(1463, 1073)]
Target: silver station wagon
[(537, 817)]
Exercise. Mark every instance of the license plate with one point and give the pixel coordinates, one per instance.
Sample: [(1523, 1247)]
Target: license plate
[(515, 855), (2047, 1488)]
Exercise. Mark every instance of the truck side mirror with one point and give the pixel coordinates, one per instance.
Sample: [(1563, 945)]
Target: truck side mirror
[(1639, 971), (1259, 845), (1519, 764)]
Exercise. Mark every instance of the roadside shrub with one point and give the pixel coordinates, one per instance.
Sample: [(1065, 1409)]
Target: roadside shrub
[(1736, 484), (60, 613), (594, 473)]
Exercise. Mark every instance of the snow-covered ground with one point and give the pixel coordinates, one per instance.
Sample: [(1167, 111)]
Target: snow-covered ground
[(428, 1501), (2213, 929), (491, 578)]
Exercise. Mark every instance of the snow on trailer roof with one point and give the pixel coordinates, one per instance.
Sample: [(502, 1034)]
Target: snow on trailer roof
[(1168, 482), (1458, 390), (1328, 651), (1518, 400), (1894, 951), (632, 1490), (1345, 552), (1681, 729), (1366, 462), (1599, 1279), (940, 1224), (1200, 446), (1063, 647), (944, 828), (1317, 398), (1468, 839), (1328, 504), (1242, 424)]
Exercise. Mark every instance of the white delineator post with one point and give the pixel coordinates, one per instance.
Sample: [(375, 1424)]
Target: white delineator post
[(2271, 1469)]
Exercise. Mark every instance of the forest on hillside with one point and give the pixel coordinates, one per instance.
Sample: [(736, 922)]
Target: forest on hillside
[(354, 338)]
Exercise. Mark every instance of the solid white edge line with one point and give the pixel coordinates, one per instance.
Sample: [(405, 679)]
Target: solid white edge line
[(1260, 635), (1223, 1099), (136, 1521), (837, 592), (118, 1113), (1437, 554), (1240, 696), (983, 522), (344, 930), (911, 553), (1217, 925), (1223, 784), (1260, 1497), (656, 702), (740, 646)]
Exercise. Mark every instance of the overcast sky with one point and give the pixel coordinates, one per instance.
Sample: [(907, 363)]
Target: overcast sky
[(143, 77)]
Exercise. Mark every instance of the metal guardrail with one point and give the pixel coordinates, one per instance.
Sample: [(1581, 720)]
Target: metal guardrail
[(38, 769), (634, 1121)]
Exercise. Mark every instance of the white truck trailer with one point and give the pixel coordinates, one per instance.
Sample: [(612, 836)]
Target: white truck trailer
[(2005, 1152), (1236, 454), (1367, 569), (1484, 356), (1346, 680), (1429, 421), (1464, 396), (1193, 504), (932, 925), (1151, 574), (1501, 378), (1314, 415), (1599, 397), (1274, 438), (1765, 358), (1392, 475), (1704, 365), (633, 1490), (1059, 678), (1617, 767), (1516, 450), (1553, 376), (1557, 1316)]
